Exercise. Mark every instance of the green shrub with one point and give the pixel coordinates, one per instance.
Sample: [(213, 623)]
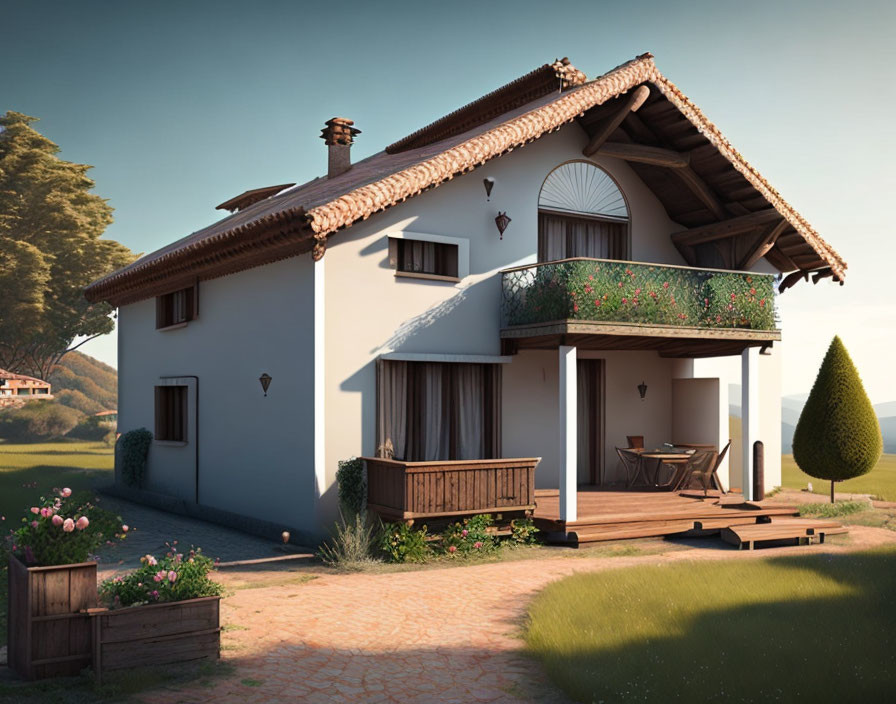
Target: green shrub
[(174, 577), (838, 435), (352, 543), (91, 428), (37, 420), (131, 452), (352, 487), (523, 531), (402, 543), (62, 530), (78, 400), (469, 536)]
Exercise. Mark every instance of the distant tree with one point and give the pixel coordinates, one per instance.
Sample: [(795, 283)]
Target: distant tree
[(50, 249), (838, 435)]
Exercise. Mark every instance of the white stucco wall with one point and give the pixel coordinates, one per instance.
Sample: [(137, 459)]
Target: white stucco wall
[(255, 452), (371, 312)]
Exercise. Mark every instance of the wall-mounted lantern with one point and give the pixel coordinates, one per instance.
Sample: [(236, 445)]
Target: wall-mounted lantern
[(642, 389), (265, 380), (502, 221), (489, 184)]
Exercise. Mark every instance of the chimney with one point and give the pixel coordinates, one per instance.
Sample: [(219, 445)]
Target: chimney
[(338, 136)]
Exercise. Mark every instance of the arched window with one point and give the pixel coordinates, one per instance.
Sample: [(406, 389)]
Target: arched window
[(581, 213)]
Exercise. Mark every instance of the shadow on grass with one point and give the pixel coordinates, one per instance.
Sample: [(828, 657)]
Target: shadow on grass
[(119, 686), (837, 647)]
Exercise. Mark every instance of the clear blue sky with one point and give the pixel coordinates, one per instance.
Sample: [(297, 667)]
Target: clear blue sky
[(181, 105)]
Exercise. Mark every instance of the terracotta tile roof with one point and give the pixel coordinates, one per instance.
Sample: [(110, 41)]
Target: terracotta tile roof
[(11, 376), (294, 220)]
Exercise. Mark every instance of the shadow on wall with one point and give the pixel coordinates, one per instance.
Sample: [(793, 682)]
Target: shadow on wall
[(484, 292)]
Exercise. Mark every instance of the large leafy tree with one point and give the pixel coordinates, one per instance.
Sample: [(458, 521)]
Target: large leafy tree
[(838, 435), (50, 249)]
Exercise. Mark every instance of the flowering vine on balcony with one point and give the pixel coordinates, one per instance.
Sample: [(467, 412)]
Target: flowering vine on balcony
[(623, 292)]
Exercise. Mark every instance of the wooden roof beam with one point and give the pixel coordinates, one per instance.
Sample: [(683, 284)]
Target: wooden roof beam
[(726, 228), (642, 154), (610, 124), (765, 242), (703, 192)]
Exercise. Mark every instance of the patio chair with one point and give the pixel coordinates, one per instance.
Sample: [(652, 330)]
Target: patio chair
[(633, 466), (703, 466)]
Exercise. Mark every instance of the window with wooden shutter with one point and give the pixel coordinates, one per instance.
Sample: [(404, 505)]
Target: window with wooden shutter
[(424, 259), (171, 413), (176, 308)]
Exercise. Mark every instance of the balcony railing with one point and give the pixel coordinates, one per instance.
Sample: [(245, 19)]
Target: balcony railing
[(603, 290)]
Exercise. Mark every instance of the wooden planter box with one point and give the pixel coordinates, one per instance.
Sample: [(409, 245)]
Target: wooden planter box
[(48, 636), (406, 491), (156, 634)]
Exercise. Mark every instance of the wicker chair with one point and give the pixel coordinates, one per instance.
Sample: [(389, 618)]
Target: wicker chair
[(703, 465), (631, 463)]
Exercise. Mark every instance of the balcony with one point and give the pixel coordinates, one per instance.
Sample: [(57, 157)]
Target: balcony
[(607, 304)]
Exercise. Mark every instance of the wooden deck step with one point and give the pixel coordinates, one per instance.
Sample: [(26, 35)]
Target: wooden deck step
[(798, 529)]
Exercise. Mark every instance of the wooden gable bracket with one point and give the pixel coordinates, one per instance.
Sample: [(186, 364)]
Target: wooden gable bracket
[(791, 279), (763, 244), (643, 154), (725, 228), (610, 124)]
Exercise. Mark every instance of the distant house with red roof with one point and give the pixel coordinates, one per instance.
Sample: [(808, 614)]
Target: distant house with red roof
[(16, 389)]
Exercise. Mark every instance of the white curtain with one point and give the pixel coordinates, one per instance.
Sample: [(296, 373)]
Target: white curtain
[(564, 237), (440, 411)]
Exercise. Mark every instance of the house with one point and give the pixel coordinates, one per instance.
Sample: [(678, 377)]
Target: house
[(539, 274), (17, 389)]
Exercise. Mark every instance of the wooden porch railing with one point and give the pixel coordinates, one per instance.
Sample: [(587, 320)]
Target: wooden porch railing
[(398, 490)]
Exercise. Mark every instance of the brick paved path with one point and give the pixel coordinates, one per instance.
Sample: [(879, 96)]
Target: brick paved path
[(436, 635)]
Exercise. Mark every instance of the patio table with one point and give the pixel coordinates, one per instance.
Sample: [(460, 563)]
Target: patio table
[(663, 457)]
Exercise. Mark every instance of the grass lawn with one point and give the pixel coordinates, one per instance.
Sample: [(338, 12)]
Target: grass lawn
[(29, 471), (880, 482), (807, 628)]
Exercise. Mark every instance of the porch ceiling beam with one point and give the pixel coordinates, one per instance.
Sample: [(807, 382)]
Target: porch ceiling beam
[(643, 154), (610, 124), (726, 228), (765, 242), (703, 192)]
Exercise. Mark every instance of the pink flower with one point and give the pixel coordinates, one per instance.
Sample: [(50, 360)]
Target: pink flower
[(124, 529), (155, 593), (68, 525), (597, 302), (733, 296), (172, 576), (666, 284), (464, 532), (452, 549), (477, 544), (159, 576), (56, 520), (575, 309), (66, 492), (590, 277), (625, 300), (730, 307), (34, 524), (35, 510), (45, 512), (149, 560), (620, 284), (82, 523), (637, 292)]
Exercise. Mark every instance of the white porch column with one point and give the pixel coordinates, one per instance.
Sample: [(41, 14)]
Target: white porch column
[(568, 434), (749, 411)]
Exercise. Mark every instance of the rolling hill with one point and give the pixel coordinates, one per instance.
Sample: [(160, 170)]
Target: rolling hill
[(85, 383)]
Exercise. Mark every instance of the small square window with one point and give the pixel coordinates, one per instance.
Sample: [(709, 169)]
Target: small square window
[(176, 308), (419, 257), (171, 413)]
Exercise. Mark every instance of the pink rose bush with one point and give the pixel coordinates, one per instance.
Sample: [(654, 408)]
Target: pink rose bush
[(173, 577), (62, 529)]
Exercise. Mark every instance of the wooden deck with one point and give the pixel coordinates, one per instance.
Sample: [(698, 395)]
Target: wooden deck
[(621, 514)]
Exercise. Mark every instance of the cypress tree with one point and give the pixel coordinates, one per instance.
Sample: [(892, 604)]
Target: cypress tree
[(838, 435)]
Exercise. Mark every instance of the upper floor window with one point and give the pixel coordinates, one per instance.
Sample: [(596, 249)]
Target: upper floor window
[(424, 256), (582, 213), (176, 308)]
